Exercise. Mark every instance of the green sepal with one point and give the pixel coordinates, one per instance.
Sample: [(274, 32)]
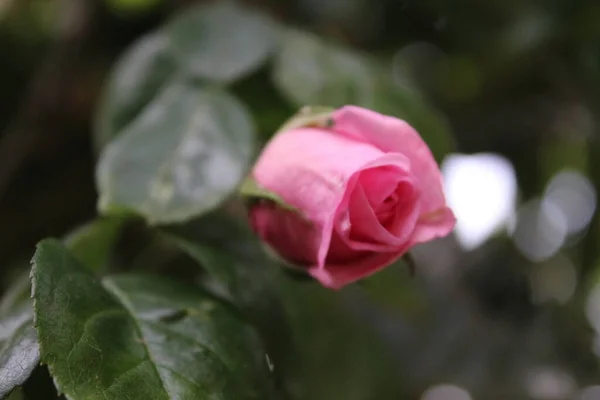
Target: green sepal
[(310, 116), (410, 263), (252, 192)]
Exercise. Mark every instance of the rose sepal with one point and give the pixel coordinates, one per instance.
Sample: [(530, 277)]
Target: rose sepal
[(410, 263), (253, 193), (309, 116)]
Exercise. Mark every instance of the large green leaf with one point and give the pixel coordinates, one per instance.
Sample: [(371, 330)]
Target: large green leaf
[(135, 81), (309, 71), (233, 255), (183, 156), (19, 350), (221, 41), (140, 337)]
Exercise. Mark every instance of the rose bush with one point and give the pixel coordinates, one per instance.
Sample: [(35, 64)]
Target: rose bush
[(365, 190)]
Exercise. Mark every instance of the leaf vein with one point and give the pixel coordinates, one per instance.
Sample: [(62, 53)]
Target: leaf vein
[(122, 297), (181, 335)]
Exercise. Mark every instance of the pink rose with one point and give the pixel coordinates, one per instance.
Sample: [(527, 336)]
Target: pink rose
[(366, 190)]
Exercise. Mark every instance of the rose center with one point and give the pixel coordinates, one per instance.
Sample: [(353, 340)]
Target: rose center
[(386, 211), (380, 211)]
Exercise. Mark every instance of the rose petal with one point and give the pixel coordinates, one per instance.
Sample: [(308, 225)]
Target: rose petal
[(380, 183), (296, 239), (407, 211), (310, 170), (433, 225), (365, 231), (395, 135), (337, 275)]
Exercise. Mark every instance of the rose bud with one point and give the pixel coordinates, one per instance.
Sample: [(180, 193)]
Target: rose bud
[(346, 193)]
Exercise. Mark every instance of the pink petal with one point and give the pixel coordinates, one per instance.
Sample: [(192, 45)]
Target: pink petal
[(310, 170), (359, 210), (381, 182), (295, 239), (407, 212), (395, 135), (433, 225), (365, 229), (336, 276), (367, 232)]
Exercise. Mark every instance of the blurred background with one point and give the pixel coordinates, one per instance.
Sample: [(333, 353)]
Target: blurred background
[(505, 92)]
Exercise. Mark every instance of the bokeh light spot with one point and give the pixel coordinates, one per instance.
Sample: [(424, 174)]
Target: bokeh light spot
[(593, 308), (550, 384), (554, 280), (481, 189), (590, 393), (574, 195), (446, 392), (541, 230)]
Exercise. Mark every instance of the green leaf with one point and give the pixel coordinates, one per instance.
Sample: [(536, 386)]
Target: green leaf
[(182, 157), (92, 243), (222, 41), (19, 350), (140, 337), (136, 80), (308, 71), (230, 252)]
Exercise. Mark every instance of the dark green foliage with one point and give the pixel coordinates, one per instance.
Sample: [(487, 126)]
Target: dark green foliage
[(163, 292), (139, 337)]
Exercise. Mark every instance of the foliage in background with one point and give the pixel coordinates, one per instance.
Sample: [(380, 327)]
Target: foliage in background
[(165, 104)]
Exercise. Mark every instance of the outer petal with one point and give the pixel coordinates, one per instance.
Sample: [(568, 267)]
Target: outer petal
[(345, 266), (310, 169), (433, 225), (337, 276), (294, 238), (395, 135)]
